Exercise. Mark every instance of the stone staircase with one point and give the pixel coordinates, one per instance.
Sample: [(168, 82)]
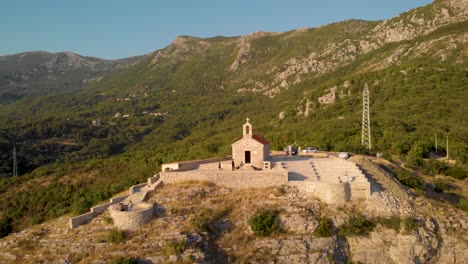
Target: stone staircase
[(139, 194)]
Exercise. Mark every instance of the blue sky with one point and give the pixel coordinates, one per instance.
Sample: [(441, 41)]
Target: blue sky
[(122, 28)]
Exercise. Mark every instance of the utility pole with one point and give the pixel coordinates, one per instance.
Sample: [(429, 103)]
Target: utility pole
[(447, 149), (366, 129), (15, 163)]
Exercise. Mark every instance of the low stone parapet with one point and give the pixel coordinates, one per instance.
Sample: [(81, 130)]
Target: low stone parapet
[(141, 214), (78, 220), (191, 165)]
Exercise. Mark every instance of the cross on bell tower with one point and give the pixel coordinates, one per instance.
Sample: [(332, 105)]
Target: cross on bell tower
[(247, 127)]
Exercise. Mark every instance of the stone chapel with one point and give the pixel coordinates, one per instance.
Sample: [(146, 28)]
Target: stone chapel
[(252, 149)]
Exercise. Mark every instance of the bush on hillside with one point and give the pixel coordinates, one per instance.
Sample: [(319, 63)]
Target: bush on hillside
[(410, 224), (433, 167), (440, 185), (204, 220), (356, 225), (176, 247), (116, 236), (392, 222), (457, 172), (325, 228), (409, 180), (463, 204), (264, 222), (5, 227)]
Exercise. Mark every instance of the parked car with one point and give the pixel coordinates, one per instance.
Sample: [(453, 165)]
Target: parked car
[(344, 155), (310, 150), (293, 150)]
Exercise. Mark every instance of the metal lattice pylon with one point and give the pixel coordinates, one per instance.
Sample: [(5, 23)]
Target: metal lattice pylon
[(366, 129)]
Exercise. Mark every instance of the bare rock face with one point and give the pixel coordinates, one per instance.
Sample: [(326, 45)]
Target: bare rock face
[(243, 55), (418, 247), (301, 250), (245, 48), (412, 24), (328, 98)]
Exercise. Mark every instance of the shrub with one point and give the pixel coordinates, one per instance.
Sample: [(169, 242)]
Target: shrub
[(409, 180), (200, 223), (203, 221), (463, 204), (325, 228), (108, 220), (440, 185), (280, 191), (356, 225), (433, 167), (392, 222), (116, 236), (5, 227), (264, 222), (457, 172), (176, 247), (409, 224)]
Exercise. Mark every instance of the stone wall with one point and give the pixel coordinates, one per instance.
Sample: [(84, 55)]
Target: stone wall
[(76, 221), (153, 179), (141, 214), (329, 193), (190, 165), (135, 188), (361, 190), (230, 179)]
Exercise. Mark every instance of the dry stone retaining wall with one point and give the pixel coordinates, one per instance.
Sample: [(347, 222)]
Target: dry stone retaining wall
[(81, 219), (230, 179), (360, 190), (327, 192)]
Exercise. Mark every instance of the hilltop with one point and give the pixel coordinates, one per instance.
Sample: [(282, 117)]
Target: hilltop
[(204, 223), (185, 102)]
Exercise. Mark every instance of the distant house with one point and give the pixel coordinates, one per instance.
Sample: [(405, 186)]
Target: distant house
[(96, 123), (252, 149)]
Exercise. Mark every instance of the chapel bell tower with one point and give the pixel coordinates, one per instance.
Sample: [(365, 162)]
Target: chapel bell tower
[(247, 129)]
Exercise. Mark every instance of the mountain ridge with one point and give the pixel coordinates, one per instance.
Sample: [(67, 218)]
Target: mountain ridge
[(40, 73)]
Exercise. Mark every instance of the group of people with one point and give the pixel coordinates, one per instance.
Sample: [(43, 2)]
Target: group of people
[(233, 167), (126, 207)]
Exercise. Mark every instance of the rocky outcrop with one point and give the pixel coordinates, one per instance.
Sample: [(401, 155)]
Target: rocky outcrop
[(418, 247), (420, 21), (335, 92), (407, 26), (245, 48)]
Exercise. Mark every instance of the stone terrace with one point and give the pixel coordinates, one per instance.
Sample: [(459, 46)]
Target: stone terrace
[(306, 168)]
